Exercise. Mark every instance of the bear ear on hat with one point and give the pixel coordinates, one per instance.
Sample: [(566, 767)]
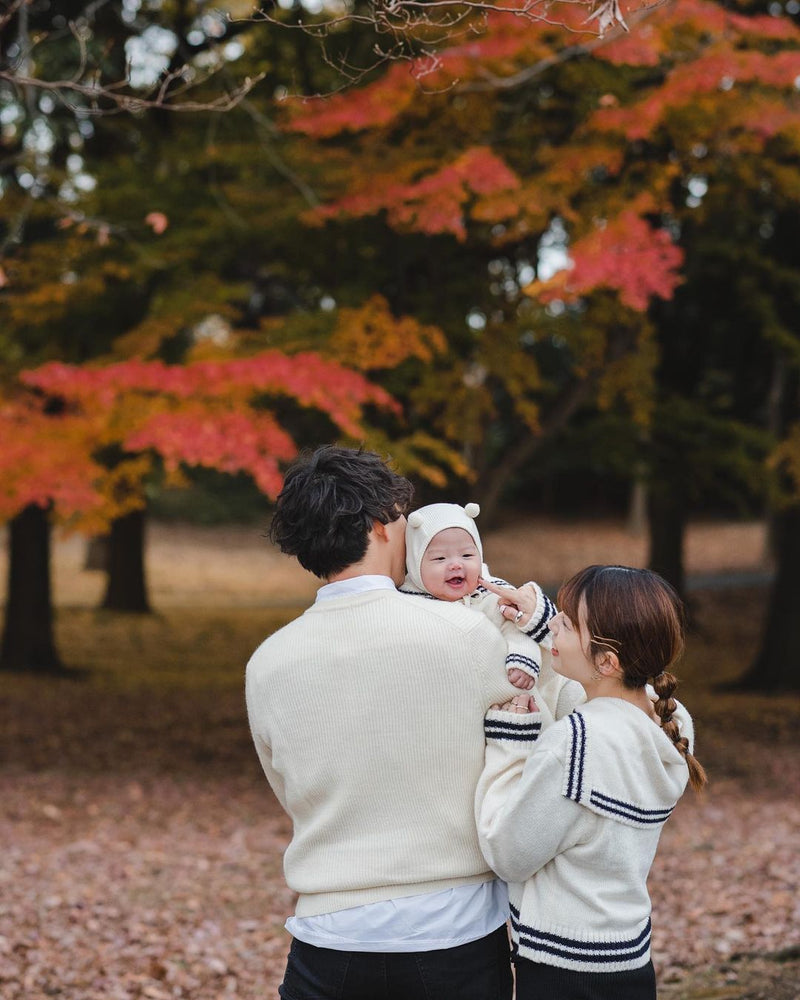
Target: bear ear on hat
[(472, 510), (415, 519)]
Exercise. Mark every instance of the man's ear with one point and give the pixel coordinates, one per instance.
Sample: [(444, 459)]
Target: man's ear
[(379, 530)]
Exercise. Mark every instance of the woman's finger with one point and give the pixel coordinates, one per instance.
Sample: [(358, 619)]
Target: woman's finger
[(508, 592)]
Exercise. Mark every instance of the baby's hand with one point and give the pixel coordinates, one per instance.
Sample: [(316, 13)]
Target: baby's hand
[(520, 679)]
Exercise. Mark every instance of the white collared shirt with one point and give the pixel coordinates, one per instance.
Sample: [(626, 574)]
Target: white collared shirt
[(426, 922)]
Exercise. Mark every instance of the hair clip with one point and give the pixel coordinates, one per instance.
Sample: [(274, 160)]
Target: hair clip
[(614, 644)]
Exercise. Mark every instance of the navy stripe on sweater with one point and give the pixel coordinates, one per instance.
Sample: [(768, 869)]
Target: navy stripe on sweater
[(616, 807), (418, 593), (526, 662), (595, 952), (520, 732), (538, 629), (577, 752)]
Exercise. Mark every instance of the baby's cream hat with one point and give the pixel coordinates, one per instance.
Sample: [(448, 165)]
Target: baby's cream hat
[(428, 521)]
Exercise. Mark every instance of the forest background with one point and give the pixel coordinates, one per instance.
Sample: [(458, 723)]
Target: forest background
[(547, 269)]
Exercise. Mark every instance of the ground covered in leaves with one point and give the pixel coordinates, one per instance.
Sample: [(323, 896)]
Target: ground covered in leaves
[(142, 849)]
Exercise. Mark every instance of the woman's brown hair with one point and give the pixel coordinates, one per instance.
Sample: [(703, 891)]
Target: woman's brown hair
[(637, 615)]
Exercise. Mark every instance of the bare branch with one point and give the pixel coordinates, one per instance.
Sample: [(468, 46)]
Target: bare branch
[(127, 102), (413, 30), (492, 82), (267, 132), (8, 14)]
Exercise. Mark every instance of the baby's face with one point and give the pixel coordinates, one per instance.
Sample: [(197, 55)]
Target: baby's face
[(451, 565)]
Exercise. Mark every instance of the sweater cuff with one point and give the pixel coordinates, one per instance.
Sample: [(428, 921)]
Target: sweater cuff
[(536, 626), (514, 727), (530, 665)]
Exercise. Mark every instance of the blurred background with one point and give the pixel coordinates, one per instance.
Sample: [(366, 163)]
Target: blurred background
[(546, 259)]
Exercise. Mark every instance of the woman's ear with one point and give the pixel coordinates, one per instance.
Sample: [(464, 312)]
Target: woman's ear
[(608, 665)]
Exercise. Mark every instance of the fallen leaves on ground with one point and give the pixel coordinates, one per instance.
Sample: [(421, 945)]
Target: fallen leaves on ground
[(142, 849), (163, 888)]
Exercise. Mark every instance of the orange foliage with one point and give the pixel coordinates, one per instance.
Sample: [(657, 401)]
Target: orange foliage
[(717, 71), (652, 41), (309, 379), (227, 441), (369, 107), (626, 255), (644, 46), (209, 413), (505, 41), (370, 338), (45, 460), (434, 204)]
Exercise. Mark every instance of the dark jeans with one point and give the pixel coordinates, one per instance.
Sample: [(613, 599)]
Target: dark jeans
[(480, 970), (536, 981)]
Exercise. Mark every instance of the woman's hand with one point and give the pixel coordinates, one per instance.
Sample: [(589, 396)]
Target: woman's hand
[(516, 604), (520, 703)]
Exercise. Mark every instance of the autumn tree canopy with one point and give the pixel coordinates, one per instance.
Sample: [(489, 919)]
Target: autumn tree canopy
[(583, 171)]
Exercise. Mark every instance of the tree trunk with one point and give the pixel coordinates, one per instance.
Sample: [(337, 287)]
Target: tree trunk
[(569, 399), (96, 553), (636, 524), (28, 642), (126, 589), (667, 518), (495, 481), (775, 665)]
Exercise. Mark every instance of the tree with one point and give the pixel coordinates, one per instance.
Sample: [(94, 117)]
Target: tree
[(214, 250), (773, 668), (485, 180), (86, 439), (46, 471), (625, 157)]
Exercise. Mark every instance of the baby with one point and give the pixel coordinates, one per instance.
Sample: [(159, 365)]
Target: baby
[(444, 560)]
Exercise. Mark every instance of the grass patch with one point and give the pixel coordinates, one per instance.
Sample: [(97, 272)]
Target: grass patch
[(189, 649)]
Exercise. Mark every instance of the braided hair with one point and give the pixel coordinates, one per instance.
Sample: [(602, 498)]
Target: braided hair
[(639, 616)]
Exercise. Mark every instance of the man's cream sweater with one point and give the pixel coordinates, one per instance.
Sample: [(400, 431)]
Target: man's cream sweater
[(367, 715)]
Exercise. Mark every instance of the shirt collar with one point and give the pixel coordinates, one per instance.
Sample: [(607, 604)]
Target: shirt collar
[(354, 585)]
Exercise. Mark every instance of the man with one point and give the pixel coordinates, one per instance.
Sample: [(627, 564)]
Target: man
[(367, 715)]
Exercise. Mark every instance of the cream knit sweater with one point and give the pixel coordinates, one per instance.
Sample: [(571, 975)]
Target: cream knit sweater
[(367, 715), (571, 818)]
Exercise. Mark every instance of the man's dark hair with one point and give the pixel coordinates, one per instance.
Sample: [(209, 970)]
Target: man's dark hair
[(329, 501)]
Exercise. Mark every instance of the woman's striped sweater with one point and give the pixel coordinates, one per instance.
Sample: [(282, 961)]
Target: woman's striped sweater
[(571, 817)]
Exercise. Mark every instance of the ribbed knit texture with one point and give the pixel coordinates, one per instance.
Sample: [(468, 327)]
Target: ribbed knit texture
[(367, 715)]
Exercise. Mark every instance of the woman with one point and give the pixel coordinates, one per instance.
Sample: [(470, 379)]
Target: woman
[(571, 816)]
